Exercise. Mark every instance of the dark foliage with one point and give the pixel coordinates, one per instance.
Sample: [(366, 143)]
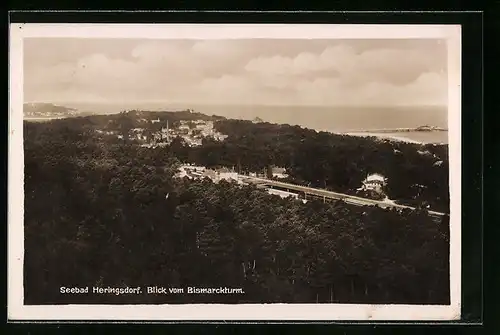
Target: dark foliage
[(97, 214), (416, 173)]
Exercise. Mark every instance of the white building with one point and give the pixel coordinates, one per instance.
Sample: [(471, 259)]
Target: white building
[(189, 167), (191, 171), (141, 137), (282, 194), (220, 137), (424, 152), (374, 182), (207, 132), (227, 176), (279, 172), (192, 142)]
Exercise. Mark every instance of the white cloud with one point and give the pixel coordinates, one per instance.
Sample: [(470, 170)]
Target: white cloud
[(380, 64), (381, 76), (275, 65), (427, 89), (224, 71), (228, 89)]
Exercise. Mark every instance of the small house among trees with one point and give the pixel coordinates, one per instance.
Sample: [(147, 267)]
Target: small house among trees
[(374, 182)]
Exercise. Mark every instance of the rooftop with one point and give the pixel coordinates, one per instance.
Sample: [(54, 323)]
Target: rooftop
[(375, 177), (224, 170)]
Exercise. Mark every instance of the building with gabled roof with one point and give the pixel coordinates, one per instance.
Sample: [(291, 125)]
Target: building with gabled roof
[(374, 182)]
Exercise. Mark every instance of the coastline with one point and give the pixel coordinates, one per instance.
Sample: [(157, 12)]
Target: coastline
[(378, 135), (386, 136), (395, 138), (35, 118)]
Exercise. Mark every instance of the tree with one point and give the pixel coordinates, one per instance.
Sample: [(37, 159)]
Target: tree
[(91, 205)]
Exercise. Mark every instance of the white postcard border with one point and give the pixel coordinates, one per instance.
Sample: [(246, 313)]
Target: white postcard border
[(270, 312)]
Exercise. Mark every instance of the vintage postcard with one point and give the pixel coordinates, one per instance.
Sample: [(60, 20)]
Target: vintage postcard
[(234, 172)]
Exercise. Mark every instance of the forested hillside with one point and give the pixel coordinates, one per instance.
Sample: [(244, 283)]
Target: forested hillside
[(417, 174), (101, 212)]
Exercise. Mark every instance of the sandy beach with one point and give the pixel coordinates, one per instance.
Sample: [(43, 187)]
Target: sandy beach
[(385, 136)]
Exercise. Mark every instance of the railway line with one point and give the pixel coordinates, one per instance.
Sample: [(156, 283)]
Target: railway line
[(329, 195)]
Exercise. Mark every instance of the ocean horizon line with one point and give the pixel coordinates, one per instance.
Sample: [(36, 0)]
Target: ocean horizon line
[(191, 105)]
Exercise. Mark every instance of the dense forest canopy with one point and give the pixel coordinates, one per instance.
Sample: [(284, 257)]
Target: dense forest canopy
[(416, 174), (105, 212)]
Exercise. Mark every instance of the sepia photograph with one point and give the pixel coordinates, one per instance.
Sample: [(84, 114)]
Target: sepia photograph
[(314, 170)]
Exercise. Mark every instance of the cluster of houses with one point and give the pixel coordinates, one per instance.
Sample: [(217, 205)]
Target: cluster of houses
[(196, 130), (216, 175), (198, 172), (192, 132), (373, 183)]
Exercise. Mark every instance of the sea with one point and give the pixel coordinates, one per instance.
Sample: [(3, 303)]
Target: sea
[(321, 118)]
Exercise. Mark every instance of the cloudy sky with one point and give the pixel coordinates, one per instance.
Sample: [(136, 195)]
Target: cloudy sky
[(253, 71)]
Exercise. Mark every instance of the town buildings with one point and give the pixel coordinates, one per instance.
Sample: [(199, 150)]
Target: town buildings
[(192, 133), (200, 172)]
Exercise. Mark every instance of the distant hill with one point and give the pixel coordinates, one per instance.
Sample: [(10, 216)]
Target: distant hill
[(429, 128), (38, 110)]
